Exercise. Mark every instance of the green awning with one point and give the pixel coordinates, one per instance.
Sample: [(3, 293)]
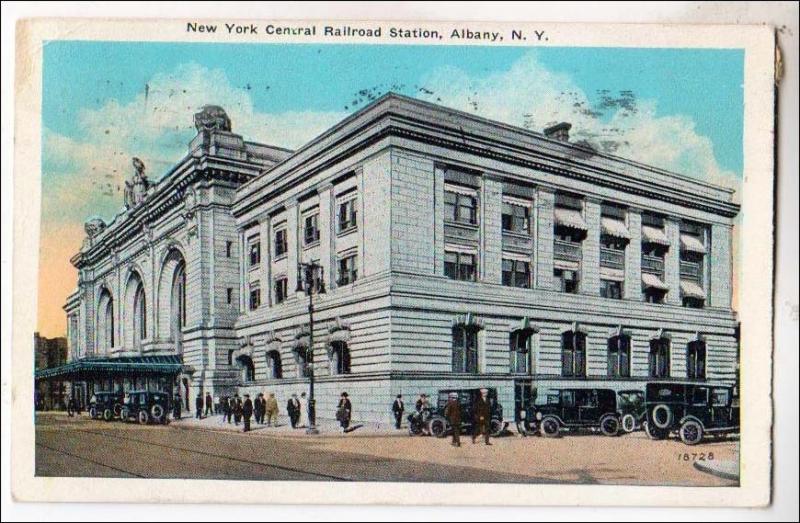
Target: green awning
[(127, 365)]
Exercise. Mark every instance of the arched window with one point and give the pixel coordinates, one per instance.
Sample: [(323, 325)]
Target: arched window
[(696, 360), (619, 356), (301, 361), (140, 314), (171, 299), (104, 335), (521, 351), (659, 358), (573, 354), (274, 367), (247, 370), (465, 349), (340, 358), (178, 306)]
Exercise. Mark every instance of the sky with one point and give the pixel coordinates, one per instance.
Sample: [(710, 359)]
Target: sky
[(105, 102)]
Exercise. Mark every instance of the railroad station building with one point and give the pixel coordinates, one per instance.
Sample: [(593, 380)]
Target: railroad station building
[(456, 251)]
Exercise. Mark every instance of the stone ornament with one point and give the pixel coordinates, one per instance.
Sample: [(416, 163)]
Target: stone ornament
[(212, 118)]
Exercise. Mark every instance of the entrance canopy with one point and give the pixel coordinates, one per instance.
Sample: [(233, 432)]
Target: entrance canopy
[(88, 368)]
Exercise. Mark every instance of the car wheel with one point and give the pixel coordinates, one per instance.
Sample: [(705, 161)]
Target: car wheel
[(438, 427), (691, 432), (414, 428), (93, 412), (108, 415), (157, 411), (143, 417), (628, 423), (662, 416), (550, 427), (117, 410), (125, 413), (653, 432), (609, 426), (496, 427)]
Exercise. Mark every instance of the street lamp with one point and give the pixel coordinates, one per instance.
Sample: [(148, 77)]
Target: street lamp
[(311, 280)]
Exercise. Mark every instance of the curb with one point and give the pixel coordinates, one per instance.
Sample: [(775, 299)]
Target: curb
[(703, 467)]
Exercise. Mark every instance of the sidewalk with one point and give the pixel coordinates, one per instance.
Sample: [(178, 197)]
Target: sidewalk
[(326, 427)]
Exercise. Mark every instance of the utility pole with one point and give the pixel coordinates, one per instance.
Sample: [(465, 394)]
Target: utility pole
[(307, 282)]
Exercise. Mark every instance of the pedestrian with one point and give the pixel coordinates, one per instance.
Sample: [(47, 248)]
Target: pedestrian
[(209, 404), (225, 406), (452, 411), (398, 407), (258, 408), (176, 407), (237, 409), (483, 417), (304, 421), (198, 406), (424, 409), (271, 408), (247, 412), (217, 405), (293, 410), (344, 411)]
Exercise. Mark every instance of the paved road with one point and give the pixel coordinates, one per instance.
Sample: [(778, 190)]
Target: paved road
[(88, 448)]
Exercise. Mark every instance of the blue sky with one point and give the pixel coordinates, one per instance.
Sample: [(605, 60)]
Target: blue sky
[(105, 102)]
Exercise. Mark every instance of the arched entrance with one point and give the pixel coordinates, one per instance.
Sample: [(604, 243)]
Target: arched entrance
[(172, 299)]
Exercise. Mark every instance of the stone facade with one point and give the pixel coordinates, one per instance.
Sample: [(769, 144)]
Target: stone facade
[(371, 202)]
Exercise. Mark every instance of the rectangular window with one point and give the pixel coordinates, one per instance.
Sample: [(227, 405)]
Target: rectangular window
[(611, 289), (465, 350), (255, 296), (460, 208), (696, 360), (281, 243), (281, 290), (348, 270), (566, 280), (516, 273), (311, 229), (229, 295), (720, 397), (459, 266), (516, 218), (658, 359), (255, 251), (573, 355), (347, 215), (619, 357), (228, 248)]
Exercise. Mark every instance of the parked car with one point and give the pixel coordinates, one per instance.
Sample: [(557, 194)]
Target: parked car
[(106, 405), (146, 407), (631, 409), (693, 410), (574, 409), (439, 426)]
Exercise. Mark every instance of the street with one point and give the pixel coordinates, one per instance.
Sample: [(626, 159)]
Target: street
[(91, 448)]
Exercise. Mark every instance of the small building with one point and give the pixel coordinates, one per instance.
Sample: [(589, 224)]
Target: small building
[(49, 353)]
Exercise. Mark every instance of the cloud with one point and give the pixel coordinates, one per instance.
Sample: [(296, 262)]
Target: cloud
[(530, 95)]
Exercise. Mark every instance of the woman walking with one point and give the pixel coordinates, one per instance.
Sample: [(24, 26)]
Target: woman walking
[(344, 411)]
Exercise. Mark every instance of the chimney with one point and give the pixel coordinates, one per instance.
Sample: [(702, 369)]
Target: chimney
[(559, 131)]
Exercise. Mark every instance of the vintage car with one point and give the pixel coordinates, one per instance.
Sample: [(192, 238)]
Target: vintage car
[(146, 407), (632, 413), (106, 405), (574, 409), (440, 427), (693, 410)]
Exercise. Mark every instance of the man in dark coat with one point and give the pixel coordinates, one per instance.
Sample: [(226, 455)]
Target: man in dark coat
[(258, 409), (225, 406), (452, 411), (398, 407), (198, 406), (176, 407), (344, 411), (209, 404), (247, 412), (237, 409), (293, 410), (483, 417)]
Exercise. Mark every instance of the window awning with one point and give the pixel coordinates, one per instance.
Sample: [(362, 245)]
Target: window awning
[(569, 218), (690, 289), (653, 282), (607, 273), (615, 228), (691, 243), (654, 235), (132, 365)]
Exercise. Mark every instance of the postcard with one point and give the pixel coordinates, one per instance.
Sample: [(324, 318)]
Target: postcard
[(383, 262)]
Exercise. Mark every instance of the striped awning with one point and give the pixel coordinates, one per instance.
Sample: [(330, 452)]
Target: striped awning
[(164, 365), (615, 228), (691, 243), (652, 281), (654, 235), (690, 289), (569, 218)]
